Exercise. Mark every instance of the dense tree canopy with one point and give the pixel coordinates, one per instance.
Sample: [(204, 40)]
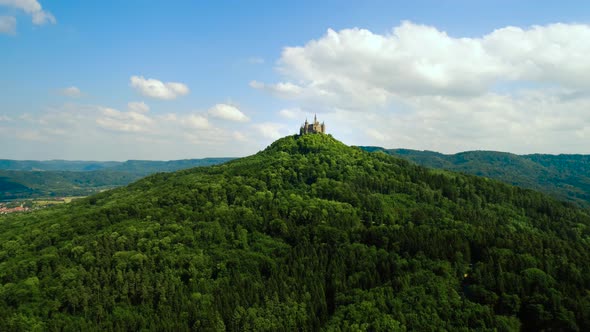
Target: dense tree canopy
[(308, 234), (566, 177)]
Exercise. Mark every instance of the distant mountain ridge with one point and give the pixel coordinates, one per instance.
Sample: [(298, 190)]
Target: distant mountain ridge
[(29, 178), (564, 176), (146, 166)]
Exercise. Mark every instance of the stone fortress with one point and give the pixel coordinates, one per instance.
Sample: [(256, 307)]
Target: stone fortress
[(312, 128)]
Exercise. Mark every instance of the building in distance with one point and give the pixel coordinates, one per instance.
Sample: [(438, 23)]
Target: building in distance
[(312, 128)]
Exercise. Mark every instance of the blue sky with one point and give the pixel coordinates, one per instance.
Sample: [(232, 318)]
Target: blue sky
[(89, 79)]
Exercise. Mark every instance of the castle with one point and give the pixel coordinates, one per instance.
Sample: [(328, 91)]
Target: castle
[(312, 128)]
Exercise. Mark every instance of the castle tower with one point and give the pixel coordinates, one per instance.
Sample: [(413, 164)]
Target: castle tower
[(312, 128)]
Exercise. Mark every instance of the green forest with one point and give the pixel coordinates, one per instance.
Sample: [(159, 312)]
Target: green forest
[(307, 235), (33, 179), (565, 176)]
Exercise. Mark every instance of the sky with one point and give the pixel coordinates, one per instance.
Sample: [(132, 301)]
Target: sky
[(163, 80)]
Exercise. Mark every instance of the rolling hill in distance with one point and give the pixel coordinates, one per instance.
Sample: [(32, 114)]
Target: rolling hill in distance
[(308, 234), (139, 166), (564, 176), (31, 179)]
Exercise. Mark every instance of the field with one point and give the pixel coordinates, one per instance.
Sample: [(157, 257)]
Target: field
[(26, 205)]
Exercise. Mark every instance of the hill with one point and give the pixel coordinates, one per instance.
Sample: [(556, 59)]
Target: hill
[(309, 234), (566, 177), (54, 165), (145, 167), (30, 179), (32, 184)]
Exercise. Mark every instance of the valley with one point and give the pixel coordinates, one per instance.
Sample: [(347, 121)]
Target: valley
[(57, 178)]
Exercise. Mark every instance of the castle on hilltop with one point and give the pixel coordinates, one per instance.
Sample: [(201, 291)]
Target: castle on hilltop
[(312, 128)]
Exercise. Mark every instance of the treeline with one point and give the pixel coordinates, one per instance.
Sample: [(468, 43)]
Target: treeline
[(565, 177), (33, 179), (307, 235), (32, 184)]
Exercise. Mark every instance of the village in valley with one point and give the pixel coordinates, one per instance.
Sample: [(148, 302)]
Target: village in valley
[(5, 209), (28, 205)]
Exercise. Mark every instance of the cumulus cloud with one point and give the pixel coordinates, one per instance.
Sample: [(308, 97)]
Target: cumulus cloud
[(292, 113), (515, 89), (33, 8), (157, 89), (7, 25), (532, 121), (228, 112), (138, 106), (71, 91), (356, 68), (196, 121), (270, 130)]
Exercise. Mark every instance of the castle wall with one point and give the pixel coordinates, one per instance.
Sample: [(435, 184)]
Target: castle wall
[(312, 128)]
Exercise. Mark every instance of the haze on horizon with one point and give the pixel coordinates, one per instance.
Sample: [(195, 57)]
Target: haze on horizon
[(116, 80)]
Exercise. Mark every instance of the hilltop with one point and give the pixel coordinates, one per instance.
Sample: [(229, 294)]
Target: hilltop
[(308, 234), (565, 177)]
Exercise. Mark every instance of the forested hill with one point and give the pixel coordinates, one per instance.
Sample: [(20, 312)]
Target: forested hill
[(138, 166), (566, 177), (308, 234), (30, 179), (54, 165)]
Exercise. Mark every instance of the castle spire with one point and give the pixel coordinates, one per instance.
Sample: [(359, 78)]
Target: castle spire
[(312, 128)]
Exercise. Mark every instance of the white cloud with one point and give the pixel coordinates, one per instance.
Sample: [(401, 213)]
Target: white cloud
[(115, 120), (171, 117), (228, 112), (292, 113), (31, 135), (377, 135), (33, 8), (157, 89), (286, 90), (7, 25), (138, 106), (530, 122), (196, 121), (5, 118), (355, 68), (66, 131), (514, 89), (71, 91), (239, 136), (270, 130)]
